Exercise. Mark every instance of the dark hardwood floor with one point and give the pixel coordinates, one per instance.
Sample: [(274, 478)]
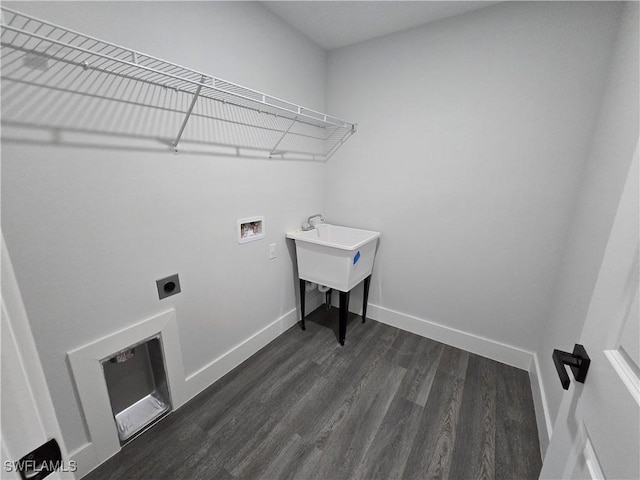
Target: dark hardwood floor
[(387, 405)]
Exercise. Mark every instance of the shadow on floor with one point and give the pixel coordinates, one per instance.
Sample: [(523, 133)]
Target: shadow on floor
[(330, 319)]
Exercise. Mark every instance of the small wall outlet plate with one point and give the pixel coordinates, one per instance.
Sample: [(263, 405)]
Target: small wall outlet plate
[(168, 286), (251, 229)]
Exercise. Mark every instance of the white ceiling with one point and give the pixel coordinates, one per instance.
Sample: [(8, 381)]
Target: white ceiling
[(333, 24)]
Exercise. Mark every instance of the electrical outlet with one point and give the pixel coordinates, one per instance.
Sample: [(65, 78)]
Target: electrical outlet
[(272, 251), (168, 286)]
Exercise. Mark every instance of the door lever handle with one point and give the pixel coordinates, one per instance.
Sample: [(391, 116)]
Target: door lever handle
[(578, 361)]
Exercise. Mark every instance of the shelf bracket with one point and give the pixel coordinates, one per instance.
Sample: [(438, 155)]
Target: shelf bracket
[(340, 142), (284, 134), (189, 111)]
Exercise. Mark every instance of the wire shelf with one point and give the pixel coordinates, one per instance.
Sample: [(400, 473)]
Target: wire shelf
[(53, 77)]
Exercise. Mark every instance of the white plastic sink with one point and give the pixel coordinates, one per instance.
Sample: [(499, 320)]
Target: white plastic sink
[(335, 256)]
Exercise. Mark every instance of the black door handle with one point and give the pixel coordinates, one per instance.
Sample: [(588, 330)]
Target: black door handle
[(41, 462), (578, 361)]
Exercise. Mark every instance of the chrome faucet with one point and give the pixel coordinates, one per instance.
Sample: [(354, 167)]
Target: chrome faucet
[(308, 225)]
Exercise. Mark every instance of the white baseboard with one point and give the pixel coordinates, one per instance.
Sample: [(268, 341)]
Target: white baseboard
[(216, 369), (196, 382), (501, 352), (88, 458), (85, 459), (543, 417)]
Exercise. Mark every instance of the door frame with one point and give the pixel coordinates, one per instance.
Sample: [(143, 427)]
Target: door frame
[(569, 439), (17, 328)]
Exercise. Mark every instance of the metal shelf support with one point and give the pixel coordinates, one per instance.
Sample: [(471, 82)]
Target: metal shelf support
[(189, 111), (284, 134)]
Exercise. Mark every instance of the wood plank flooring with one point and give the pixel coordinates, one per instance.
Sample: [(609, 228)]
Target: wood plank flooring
[(387, 405)]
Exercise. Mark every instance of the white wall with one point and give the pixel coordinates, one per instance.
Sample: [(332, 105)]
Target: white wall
[(473, 134), (611, 151), (90, 229)]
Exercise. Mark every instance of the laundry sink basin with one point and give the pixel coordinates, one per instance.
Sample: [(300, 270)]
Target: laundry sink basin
[(335, 256)]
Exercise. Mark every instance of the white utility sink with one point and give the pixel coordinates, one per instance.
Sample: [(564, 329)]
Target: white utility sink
[(334, 256)]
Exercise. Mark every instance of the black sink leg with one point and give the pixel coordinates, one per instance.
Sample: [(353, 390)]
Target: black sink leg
[(344, 315), (302, 292), (327, 299), (367, 283)]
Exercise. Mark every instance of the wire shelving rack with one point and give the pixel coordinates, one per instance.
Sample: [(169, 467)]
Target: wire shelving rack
[(184, 106)]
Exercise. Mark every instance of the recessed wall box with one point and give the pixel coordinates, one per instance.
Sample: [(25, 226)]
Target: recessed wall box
[(250, 229), (137, 386)]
